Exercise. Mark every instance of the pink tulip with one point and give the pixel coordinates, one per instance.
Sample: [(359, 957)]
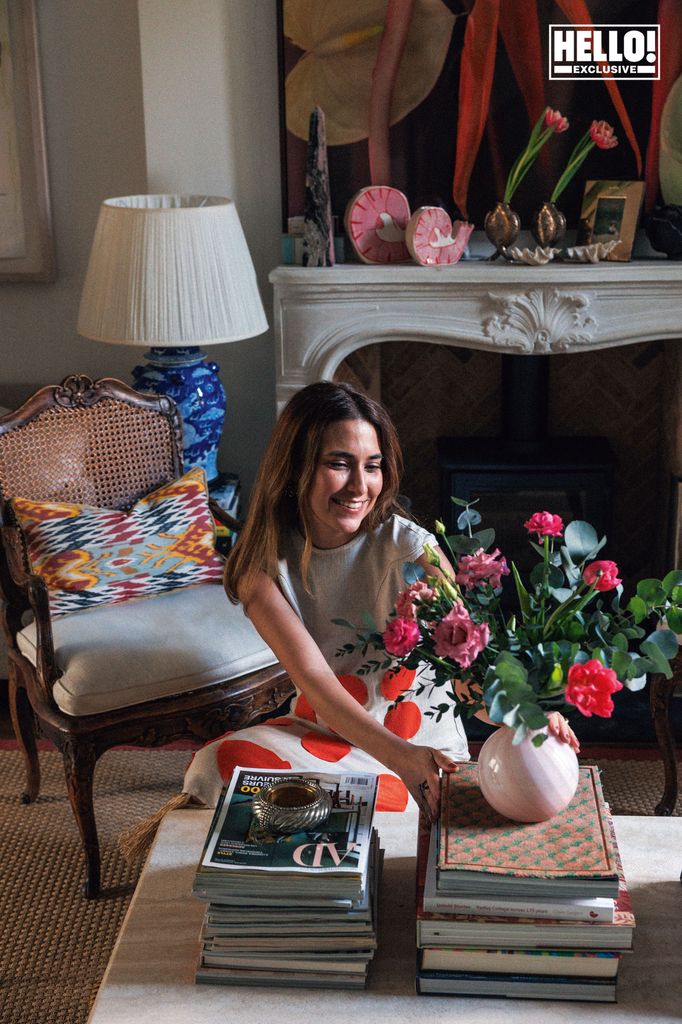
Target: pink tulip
[(545, 525), (590, 686), (555, 119), (602, 135), (602, 575)]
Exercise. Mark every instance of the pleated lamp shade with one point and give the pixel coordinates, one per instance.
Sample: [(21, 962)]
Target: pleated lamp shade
[(170, 271), (173, 274)]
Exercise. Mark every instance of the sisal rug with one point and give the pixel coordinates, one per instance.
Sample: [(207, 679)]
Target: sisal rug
[(54, 944)]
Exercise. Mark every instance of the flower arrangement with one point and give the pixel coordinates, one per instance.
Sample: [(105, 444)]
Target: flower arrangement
[(599, 134), (549, 122), (570, 643)]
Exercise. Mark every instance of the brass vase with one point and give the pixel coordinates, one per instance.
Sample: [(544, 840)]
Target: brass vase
[(502, 226), (548, 225)]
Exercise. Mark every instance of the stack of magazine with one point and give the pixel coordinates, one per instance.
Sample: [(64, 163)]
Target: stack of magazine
[(295, 910), (535, 910)]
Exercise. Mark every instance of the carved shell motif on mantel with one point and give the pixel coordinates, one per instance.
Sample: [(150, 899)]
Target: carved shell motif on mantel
[(540, 321)]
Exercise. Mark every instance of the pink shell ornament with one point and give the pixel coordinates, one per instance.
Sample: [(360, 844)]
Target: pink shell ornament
[(433, 239), (376, 219)]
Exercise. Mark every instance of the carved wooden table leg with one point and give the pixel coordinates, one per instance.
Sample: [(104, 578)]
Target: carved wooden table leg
[(660, 692)]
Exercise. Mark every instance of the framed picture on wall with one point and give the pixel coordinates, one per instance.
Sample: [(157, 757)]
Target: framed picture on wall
[(610, 210), (26, 252)]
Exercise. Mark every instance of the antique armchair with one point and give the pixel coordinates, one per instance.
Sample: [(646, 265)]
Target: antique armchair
[(180, 664)]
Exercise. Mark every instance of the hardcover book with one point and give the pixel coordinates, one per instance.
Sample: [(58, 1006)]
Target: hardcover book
[(476, 930), (559, 908), (571, 854), (576, 963), (516, 986)]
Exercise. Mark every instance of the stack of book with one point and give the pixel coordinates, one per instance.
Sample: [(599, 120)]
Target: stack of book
[(535, 910), (294, 910)]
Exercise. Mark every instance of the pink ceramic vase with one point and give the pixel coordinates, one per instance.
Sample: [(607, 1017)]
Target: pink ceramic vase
[(524, 782)]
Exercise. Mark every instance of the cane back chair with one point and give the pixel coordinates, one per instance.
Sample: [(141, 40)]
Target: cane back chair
[(182, 664)]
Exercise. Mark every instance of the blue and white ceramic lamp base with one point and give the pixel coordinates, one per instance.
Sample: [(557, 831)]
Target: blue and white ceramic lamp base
[(194, 384)]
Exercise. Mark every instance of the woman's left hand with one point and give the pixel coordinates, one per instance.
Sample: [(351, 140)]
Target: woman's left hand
[(559, 727)]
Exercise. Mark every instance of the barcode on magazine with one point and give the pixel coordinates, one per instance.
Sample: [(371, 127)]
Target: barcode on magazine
[(357, 780)]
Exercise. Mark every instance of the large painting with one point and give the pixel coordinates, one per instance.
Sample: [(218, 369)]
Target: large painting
[(471, 79), (25, 238)]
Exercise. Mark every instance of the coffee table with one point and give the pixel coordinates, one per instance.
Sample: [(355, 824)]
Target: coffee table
[(150, 977)]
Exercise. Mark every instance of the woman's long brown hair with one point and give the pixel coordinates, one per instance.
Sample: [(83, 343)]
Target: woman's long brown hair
[(279, 501)]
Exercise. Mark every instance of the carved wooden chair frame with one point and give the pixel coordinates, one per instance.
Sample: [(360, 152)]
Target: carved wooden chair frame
[(201, 715)]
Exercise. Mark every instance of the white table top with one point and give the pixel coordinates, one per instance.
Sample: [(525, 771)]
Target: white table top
[(150, 977)]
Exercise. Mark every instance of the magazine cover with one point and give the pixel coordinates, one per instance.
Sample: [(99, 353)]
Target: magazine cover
[(339, 845)]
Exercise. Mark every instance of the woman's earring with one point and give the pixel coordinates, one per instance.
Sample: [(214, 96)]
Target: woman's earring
[(289, 491)]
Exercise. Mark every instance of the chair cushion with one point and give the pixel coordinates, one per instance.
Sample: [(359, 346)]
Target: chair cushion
[(124, 654), (92, 556)]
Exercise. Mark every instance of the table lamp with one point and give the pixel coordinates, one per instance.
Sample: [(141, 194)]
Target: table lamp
[(173, 273)]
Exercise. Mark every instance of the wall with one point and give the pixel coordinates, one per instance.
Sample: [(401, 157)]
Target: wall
[(92, 89), (188, 90), (209, 71)]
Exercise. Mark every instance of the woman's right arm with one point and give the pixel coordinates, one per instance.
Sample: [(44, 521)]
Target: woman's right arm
[(292, 644)]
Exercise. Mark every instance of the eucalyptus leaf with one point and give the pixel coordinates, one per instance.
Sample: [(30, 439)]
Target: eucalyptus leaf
[(651, 591), (469, 517), (674, 618), (537, 574), (560, 593), (344, 622), (412, 572), (655, 655), (666, 641), (638, 683), (485, 537), (580, 540), (461, 502), (622, 664), (671, 580), (638, 608), (463, 545)]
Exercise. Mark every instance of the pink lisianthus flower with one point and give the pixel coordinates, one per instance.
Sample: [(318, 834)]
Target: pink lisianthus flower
[(545, 525), (555, 119), (602, 575), (418, 591), (590, 686), (602, 135), (400, 637), (458, 637), (480, 568)]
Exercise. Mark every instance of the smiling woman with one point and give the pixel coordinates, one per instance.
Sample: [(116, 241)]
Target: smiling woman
[(347, 482), (325, 541)]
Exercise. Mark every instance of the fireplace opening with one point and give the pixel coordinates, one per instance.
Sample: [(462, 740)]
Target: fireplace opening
[(524, 470)]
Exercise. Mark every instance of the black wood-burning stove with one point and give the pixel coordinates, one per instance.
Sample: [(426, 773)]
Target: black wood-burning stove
[(524, 470)]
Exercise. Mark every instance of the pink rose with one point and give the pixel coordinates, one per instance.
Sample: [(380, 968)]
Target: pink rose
[(480, 568), (590, 686), (555, 119), (456, 636), (418, 591), (602, 135), (601, 575), (545, 525), (400, 636)]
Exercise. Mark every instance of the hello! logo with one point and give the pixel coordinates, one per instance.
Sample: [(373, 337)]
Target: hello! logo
[(619, 51)]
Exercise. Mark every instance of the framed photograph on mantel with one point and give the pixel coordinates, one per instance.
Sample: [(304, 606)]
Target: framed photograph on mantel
[(611, 210), (26, 252)]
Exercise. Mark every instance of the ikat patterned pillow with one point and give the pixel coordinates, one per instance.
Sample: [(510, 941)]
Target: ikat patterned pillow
[(92, 556)]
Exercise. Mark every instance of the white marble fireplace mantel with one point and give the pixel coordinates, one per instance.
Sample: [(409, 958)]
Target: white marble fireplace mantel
[(322, 314)]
